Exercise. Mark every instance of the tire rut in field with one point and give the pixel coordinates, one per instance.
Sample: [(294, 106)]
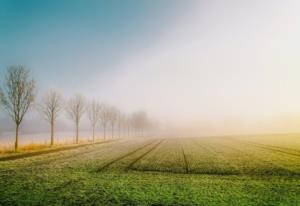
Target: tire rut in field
[(42, 162), (57, 160), (105, 166), (69, 157), (94, 151), (65, 184), (186, 164), (232, 169), (280, 169), (273, 148), (144, 154)]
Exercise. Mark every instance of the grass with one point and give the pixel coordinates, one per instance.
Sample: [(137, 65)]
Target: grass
[(192, 171), (29, 150)]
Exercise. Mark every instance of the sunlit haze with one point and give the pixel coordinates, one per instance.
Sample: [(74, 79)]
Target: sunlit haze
[(196, 67)]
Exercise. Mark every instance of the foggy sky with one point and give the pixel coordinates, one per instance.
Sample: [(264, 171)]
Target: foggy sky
[(197, 67)]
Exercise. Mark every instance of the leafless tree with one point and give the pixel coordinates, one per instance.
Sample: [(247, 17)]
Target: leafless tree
[(124, 124), (75, 110), (140, 122), (51, 106), (127, 125), (104, 118), (17, 95), (120, 122), (112, 116), (94, 112)]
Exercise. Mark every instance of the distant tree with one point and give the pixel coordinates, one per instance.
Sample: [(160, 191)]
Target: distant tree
[(17, 95), (112, 117), (124, 126), (51, 106), (120, 122), (140, 122), (94, 112), (75, 110), (128, 125), (104, 118)]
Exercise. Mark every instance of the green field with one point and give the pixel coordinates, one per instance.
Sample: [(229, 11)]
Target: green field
[(260, 170)]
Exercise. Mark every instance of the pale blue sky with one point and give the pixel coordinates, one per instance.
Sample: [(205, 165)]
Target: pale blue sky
[(57, 39), (211, 66)]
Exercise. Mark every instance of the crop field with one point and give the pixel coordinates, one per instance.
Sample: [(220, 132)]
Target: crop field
[(162, 171)]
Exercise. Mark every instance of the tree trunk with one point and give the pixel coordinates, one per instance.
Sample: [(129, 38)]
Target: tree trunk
[(93, 133), (104, 132), (17, 138), (52, 132), (77, 131), (112, 131)]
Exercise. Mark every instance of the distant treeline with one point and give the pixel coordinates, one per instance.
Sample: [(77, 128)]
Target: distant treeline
[(18, 93)]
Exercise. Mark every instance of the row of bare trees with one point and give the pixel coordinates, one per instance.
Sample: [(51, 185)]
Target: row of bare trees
[(19, 93)]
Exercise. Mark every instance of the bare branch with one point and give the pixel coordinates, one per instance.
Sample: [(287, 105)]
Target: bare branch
[(51, 106), (18, 94), (75, 109), (94, 112)]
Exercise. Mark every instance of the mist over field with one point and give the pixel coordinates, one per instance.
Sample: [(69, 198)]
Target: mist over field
[(197, 68), (150, 102)]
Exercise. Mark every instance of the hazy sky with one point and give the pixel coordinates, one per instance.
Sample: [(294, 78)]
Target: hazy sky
[(209, 66)]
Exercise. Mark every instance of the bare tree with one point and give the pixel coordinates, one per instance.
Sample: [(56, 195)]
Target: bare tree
[(122, 124), (104, 118), (127, 122), (119, 119), (130, 126), (140, 122), (17, 95), (94, 112), (51, 106), (75, 109), (112, 116)]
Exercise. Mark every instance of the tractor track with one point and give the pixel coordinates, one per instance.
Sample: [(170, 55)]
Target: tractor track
[(65, 184), (245, 153), (271, 148), (186, 164), (143, 155), (39, 163), (123, 156), (64, 158)]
